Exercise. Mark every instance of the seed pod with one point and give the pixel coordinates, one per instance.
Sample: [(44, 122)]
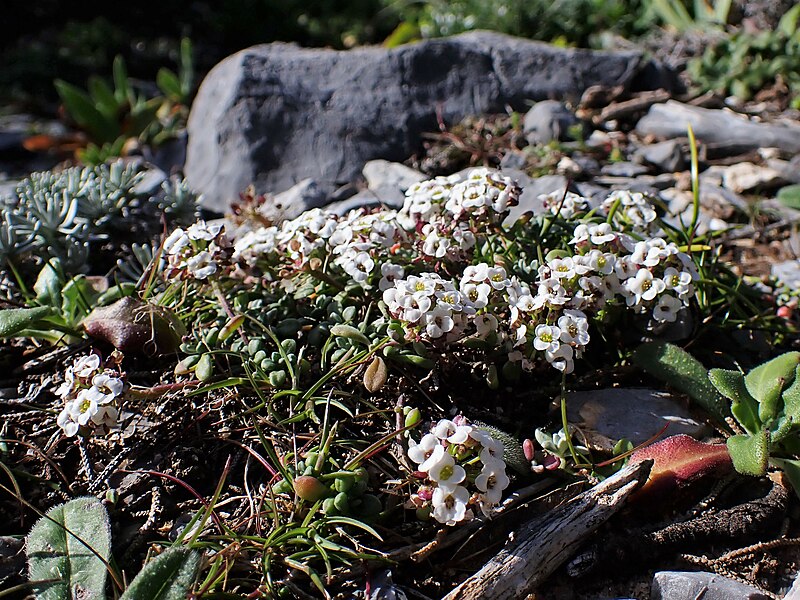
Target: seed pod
[(310, 488), (342, 503), (205, 367), (376, 374), (277, 378), (349, 332), (230, 327), (343, 484), (412, 417), (211, 337)]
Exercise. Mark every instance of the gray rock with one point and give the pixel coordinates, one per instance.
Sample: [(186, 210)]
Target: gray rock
[(788, 272), (387, 182), (548, 121), (744, 177), (275, 114), (667, 155), (669, 120), (623, 169), (678, 585), (362, 199), (513, 160), (636, 414), (531, 190), (294, 201)]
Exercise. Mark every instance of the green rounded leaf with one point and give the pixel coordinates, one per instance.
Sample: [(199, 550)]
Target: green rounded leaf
[(70, 545), (169, 576), (750, 453)]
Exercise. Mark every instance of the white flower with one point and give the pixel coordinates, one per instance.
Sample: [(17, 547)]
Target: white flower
[(643, 287), (446, 473), (107, 416), (83, 408), (434, 244), (667, 309), (438, 322), (498, 278), (562, 268), (450, 505), (460, 435), (65, 389), (419, 453), (485, 324), (390, 273), (492, 481), (105, 388), (574, 328), (475, 273), (85, 366), (201, 265), (561, 358), (476, 294), (64, 419), (414, 307), (204, 231), (492, 451), (444, 429), (678, 281), (436, 456), (547, 338), (176, 242), (359, 267)]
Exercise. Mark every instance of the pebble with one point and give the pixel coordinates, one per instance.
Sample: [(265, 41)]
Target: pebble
[(679, 585)]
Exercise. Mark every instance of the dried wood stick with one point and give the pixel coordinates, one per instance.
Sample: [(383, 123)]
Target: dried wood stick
[(540, 546)]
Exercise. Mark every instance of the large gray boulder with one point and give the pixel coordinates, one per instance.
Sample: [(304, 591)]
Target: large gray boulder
[(273, 115)]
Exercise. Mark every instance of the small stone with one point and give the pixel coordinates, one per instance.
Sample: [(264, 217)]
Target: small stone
[(666, 156), (747, 176), (788, 272), (678, 585), (531, 190), (293, 202), (548, 121), (670, 120), (513, 160), (383, 173), (623, 169), (635, 414), (388, 181)]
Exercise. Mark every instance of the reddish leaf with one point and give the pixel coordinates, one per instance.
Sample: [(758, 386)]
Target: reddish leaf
[(131, 325), (680, 460)]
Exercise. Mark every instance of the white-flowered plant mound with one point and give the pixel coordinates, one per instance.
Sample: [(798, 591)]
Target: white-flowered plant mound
[(91, 394), (461, 470), (442, 268)]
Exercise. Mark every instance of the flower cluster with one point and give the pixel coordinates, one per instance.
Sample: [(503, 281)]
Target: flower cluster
[(90, 394), (564, 204), (630, 208), (195, 252), (462, 469)]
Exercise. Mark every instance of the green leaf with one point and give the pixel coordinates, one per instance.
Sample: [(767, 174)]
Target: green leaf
[(744, 407), (58, 548), (750, 453), (766, 382), (789, 195), (15, 320), (169, 576), (123, 91), (685, 373), (788, 23), (792, 470), (791, 399), (103, 97), (186, 69), (349, 332), (169, 84), (83, 111), (49, 283)]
